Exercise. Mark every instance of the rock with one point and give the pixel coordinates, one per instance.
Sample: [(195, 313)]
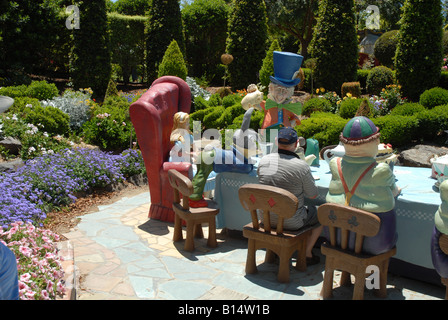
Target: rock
[(11, 145), (10, 166), (420, 155)]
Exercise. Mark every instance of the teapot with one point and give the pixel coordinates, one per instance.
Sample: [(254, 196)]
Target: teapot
[(338, 151)]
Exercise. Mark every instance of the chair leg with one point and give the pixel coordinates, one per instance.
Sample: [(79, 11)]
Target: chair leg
[(177, 236), (270, 256), (382, 291), (327, 288), (301, 257), (251, 266), (198, 233), (283, 267), (345, 279), (358, 290), (211, 242), (189, 241)]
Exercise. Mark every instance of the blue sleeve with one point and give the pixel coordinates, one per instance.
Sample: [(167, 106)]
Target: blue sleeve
[(9, 281)]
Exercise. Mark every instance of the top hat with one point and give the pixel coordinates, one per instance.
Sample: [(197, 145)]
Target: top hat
[(286, 64), (359, 130)]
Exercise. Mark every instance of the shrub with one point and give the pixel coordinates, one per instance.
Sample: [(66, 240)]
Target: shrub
[(267, 69), (14, 91), (434, 97), (432, 123), (335, 44), (419, 52), (362, 75), (52, 120), (215, 100), (316, 105), (42, 90), (209, 120), (378, 78), (229, 115), (110, 127), (200, 103), (21, 104), (354, 88), (324, 127), (246, 41), (349, 107), (200, 114), (397, 130), (385, 48), (230, 100), (173, 63), (407, 109)]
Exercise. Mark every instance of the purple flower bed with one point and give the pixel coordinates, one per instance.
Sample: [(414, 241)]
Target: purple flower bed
[(52, 180)]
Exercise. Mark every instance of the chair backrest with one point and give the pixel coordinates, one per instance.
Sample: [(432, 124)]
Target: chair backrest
[(268, 199), (346, 219), (181, 185), (443, 243)]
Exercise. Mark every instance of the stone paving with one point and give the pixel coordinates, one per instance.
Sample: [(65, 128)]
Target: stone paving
[(119, 253)]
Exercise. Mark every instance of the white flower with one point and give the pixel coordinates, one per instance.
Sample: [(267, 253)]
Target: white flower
[(31, 150)]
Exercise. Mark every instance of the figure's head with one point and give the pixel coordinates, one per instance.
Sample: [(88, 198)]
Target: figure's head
[(287, 139), (181, 120), (360, 137), (279, 93)]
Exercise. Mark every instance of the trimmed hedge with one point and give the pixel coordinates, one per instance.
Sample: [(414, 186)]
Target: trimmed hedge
[(316, 105), (385, 48), (434, 97)]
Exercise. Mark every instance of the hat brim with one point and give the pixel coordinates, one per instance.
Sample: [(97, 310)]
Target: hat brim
[(284, 82)]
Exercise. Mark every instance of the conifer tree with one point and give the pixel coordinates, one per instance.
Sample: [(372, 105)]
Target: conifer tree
[(91, 58), (173, 63), (164, 25), (267, 68), (246, 42), (418, 58), (335, 44)]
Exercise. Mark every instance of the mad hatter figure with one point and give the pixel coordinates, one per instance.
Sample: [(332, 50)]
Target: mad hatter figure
[(358, 180), (439, 258), (279, 110)]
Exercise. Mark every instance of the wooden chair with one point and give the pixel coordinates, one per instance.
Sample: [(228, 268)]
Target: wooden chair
[(259, 235), (340, 257), (443, 243), (193, 217)]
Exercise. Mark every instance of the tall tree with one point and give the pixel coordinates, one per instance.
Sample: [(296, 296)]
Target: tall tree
[(418, 59), (246, 42), (205, 25), (91, 56), (335, 44), (295, 17), (164, 26)]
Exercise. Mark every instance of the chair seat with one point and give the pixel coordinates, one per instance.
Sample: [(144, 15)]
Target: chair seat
[(352, 260), (288, 235), (196, 213)]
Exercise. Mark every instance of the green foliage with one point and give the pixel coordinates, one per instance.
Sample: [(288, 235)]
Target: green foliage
[(199, 103), (21, 104), (378, 78), (316, 105), (210, 118), (434, 97), (164, 25), (111, 89), (52, 120), (14, 91), (267, 69), (127, 41), (91, 58), (324, 127), (354, 88), (246, 42), (42, 90), (432, 124), (397, 130), (173, 63), (231, 100), (110, 127), (419, 52), (362, 75), (407, 109), (335, 44), (385, 48), (349, 107), (205, 27), (215, 100), (131, 7), (228, 116)]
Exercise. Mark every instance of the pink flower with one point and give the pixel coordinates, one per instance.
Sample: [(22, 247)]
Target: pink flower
[(45, 295), (26, 277), (25, 251)]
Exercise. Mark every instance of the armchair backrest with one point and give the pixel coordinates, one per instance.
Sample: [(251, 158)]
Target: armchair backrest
[(152, 117)]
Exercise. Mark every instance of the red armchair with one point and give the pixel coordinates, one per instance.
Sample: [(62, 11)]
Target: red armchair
[(152, 117)]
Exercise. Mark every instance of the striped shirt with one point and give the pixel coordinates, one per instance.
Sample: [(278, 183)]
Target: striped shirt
[(287, 171)]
